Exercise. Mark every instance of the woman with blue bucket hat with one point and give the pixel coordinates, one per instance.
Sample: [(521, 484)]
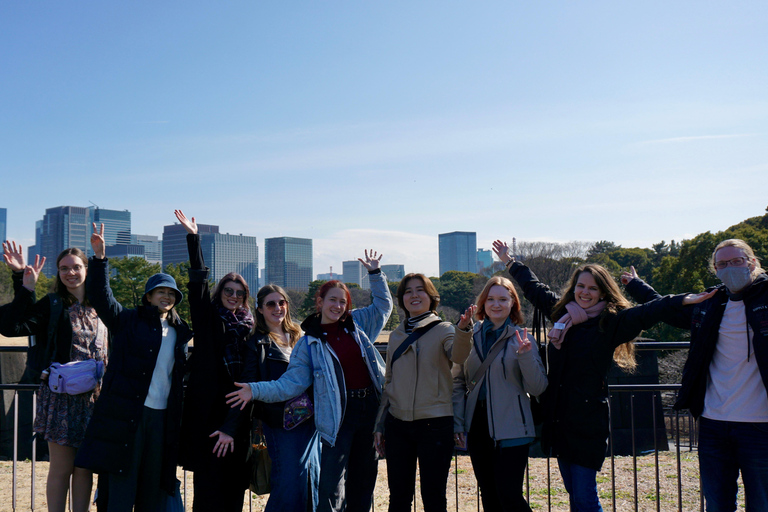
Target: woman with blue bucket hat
[(133, 435)]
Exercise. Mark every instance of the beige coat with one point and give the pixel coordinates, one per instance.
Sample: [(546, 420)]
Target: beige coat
[(421, 384)]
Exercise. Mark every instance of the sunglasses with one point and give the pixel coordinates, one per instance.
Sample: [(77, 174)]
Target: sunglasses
[(230, 292), (279, 304)]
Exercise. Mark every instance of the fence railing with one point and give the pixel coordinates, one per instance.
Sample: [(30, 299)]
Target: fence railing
[(678, 427)]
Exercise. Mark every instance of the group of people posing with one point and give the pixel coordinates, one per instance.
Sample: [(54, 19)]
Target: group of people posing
[(330, 405)]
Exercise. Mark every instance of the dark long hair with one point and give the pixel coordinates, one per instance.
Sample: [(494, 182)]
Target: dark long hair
[(232, 277)]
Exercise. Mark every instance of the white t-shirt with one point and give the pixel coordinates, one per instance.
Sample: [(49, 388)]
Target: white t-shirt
[(160, 386), (735, 389)]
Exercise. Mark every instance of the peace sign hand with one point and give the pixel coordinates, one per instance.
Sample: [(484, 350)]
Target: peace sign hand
[(97, 242), (189, 225), (371, 262), (13, 256), (523, 343)]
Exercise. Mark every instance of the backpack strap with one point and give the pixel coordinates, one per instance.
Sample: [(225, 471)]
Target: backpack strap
[(57, 306), (480, 373), (411, 339)]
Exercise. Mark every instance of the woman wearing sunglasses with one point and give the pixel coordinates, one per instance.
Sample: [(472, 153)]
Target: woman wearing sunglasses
[(214, 438), (293, 444)]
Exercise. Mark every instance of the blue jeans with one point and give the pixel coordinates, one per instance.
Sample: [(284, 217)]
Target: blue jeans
[(725, 447), (348, 469), (581, 484), (295, 473)]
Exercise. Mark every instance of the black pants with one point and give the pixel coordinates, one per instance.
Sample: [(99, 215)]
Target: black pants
[(219, 485), (430, 441), (499, 471), (348, 469)]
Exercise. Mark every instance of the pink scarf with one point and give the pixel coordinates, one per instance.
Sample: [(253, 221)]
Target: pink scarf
[(575, 315)]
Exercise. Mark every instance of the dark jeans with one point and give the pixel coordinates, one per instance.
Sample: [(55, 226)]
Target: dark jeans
[(581, 484), (725, 448), (499, 471), (141, 484), (348, 469), (295, 473), (431, 442)]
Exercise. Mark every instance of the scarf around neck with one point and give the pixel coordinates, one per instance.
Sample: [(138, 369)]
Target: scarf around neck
[(237, 325), (575, 315)]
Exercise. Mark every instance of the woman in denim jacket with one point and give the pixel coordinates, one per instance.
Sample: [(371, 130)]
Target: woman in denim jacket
[(337, 357)]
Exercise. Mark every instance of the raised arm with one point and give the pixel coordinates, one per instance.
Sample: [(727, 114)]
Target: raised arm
[(534, 290), (23, 316), (97, 287), (199, 288), (642, 293), (372, 318)]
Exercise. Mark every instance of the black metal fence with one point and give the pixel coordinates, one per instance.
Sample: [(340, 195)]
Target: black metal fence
[(678, 434)]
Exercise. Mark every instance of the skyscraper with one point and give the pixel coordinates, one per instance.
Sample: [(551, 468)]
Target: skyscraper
[(458, 251), (394, 272), (3, 224), (117, 225), (355, 272), (175, 242), (153, 248), (289, 262), (484, 259), (70, 226), (63, 227), (224, 253)]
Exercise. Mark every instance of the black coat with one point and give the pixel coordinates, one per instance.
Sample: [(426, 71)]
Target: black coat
[(136, 340), (205, 406), (264, 361), (25, 317), (704, 322), (576, 405)]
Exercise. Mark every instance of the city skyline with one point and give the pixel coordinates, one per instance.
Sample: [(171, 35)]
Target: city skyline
[(382, 125)]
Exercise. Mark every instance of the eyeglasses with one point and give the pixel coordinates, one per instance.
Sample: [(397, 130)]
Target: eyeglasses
[(67, 270), (734, 262), (230, 292), (279, 304)]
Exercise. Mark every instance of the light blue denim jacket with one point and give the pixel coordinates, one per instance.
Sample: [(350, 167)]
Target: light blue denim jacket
[(313, 362)]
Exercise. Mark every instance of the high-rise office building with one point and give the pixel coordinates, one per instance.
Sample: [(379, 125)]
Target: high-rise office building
[(63, 227), (35, 249), (153, 248), (394, 272), (458, 251), (3, 224), (70, 226), (175, 242), (225, 253), (484, 259), (117, 225), (289, 262), (355, 272), (125, 251)]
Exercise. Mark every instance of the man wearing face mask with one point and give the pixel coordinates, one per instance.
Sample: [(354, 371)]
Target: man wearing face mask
[(726, 376)]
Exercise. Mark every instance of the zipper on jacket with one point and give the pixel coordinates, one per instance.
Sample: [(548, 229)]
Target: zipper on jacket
[(522, 412), (342, 386)]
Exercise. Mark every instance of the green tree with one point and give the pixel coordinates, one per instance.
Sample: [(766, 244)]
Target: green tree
[(308, 304), (128, 277)]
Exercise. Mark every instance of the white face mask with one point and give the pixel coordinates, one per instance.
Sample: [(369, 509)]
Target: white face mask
[(735, 278)]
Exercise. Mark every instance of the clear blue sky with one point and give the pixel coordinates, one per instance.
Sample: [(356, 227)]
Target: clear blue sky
[(382, 124)]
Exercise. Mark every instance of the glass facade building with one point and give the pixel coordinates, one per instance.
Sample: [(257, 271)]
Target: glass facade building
[(153, 248), (458, 251), (225, 253), (289, 262), (175, 242), (3, 224), (394, 272), (354, 272)]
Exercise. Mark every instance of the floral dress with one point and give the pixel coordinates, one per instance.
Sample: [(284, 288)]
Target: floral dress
[(63, 418)]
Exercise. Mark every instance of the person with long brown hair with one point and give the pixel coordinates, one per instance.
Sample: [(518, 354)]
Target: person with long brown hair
[(336, 356), (491, 407), (593, 325), (215, 438), (293, 448), (78, 335)]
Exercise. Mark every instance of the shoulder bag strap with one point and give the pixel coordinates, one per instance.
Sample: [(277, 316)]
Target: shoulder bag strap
[(495, 351), (411, 339)]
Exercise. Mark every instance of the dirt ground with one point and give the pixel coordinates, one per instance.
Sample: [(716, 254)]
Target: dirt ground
[(462, 478)]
